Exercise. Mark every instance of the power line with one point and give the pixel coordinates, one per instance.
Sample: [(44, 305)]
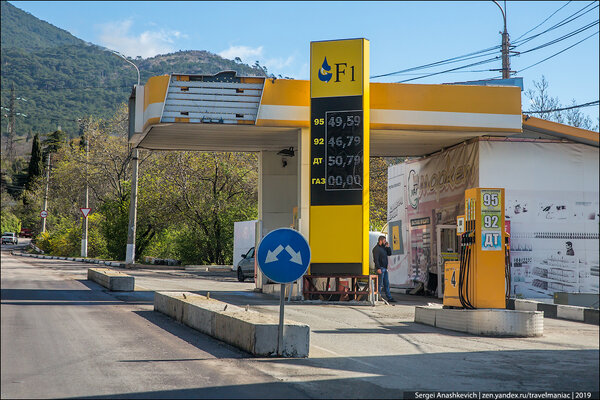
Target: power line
[(591, 103), (555, 54), (476, 54), (491, 50), (565, 21), (453, 69), (564, 37), (541, 23)]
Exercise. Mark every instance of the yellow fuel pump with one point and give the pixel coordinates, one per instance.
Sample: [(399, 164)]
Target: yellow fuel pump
[(481, 279)]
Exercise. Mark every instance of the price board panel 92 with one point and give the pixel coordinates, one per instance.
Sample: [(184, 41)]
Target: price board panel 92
[(343, 150)]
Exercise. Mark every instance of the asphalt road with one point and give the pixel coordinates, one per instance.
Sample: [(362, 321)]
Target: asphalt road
[(63, 336)]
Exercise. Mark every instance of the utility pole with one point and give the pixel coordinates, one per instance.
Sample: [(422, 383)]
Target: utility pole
[(130, 253), (10, 143), (84, 239), (505, 45), (46, 194)]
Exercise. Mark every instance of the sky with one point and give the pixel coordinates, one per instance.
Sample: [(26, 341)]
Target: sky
[(402, 35)]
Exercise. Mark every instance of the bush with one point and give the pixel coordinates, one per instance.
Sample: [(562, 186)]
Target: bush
[(96, 242), (113, 227), (9, 222), (64, 239), (165, 244)]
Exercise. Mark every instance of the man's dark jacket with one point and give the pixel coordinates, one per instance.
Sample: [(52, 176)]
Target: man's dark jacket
[(380, 256)]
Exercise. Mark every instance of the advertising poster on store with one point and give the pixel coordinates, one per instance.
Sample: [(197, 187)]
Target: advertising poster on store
[(552, 208), (432, 195)]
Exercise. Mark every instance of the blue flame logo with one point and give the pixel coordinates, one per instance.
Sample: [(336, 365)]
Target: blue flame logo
[(324, 74)]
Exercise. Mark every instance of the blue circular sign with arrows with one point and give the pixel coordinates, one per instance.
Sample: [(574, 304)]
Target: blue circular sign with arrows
[(283, 255)]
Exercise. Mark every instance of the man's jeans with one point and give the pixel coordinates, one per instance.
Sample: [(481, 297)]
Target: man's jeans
[(384, 281)]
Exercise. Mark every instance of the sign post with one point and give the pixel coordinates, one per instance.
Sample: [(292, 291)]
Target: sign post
[(84, 240), (283, 256), (339, 153)]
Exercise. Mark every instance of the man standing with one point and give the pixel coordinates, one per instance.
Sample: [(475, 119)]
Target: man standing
[(381, 251)]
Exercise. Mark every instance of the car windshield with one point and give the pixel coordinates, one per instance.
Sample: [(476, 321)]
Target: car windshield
[(250, 253)]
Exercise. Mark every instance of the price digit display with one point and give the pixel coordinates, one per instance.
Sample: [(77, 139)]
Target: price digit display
[(337, 151), (344, 150)]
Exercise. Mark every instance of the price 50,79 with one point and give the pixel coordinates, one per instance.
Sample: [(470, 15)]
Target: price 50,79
[(341, 161)]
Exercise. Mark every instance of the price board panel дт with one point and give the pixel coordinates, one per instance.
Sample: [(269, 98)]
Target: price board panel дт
[(339, 174)]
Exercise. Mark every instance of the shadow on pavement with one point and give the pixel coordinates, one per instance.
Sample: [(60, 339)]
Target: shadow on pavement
[(399, 329), (94, 295), (197, 339), (392, 376)]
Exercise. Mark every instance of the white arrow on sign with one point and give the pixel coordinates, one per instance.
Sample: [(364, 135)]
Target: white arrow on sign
[(85, 211), (296, 257), (272, 255)]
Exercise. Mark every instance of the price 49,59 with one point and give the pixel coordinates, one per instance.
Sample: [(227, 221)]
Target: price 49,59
[(334, 122)]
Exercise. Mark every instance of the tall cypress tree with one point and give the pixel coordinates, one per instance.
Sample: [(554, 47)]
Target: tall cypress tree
[(35, 162)]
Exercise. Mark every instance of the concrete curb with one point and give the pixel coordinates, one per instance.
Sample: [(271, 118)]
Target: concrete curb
[(248, 330), (87, 260), (483, 322), (586, 315), (112, 280)]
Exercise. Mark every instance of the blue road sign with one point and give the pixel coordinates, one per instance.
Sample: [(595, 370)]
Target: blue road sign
[(283, 255)]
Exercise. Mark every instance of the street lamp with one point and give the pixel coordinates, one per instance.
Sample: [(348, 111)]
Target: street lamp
[(130, 251), (505, 45), (125, 58)]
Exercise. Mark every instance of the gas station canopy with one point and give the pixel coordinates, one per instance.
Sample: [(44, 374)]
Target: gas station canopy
[(224, 112)]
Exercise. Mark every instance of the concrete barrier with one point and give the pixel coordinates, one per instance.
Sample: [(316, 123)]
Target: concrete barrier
[(250, 331), (591, 316), (112, 280), (549, 310), (525, 305), (590, 300), (573, 313), (483, 322)]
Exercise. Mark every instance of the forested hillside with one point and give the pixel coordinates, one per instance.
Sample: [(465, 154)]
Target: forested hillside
[(59, 78)]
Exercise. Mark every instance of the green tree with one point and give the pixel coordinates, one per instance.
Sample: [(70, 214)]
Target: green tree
[(35, 162), (54, 141), (207, 193), (9, 222)]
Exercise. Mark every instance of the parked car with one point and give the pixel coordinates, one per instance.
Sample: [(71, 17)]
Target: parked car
[(245, 268), (10, 238), (26, 233)]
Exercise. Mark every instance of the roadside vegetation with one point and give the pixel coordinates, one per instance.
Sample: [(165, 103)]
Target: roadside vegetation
[(187, 201)]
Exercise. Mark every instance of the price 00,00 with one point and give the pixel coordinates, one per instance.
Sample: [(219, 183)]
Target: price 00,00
[(342, 182)]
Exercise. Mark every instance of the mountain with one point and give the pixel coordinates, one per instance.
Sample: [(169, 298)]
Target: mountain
[(22, 30), (59, 78)]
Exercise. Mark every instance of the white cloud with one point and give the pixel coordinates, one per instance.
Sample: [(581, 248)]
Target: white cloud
[(245, 53), (276, 65), (117, 36)]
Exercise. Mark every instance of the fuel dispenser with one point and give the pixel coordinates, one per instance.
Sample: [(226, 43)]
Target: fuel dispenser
[(481, 279)]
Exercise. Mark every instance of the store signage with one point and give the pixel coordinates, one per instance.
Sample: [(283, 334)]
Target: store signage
[(420, 221)]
